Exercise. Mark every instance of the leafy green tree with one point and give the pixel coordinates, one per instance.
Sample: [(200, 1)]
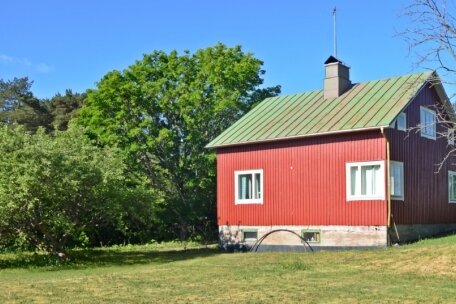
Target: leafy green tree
[(59, 190), (163, 110)]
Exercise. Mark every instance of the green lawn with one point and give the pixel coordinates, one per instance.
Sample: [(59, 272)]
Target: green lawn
[(421, 272)]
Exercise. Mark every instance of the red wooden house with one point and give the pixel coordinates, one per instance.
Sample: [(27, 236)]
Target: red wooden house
[(352, 165)]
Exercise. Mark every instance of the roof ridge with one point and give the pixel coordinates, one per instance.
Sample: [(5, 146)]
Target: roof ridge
[(400, 76), (357, 83)]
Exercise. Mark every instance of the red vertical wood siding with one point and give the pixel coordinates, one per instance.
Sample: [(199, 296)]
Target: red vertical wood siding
[(426, 192), (304, 181)]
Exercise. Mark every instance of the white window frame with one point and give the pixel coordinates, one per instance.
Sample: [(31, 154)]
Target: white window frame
[(401, 165), (237, 200), (358, 196), (423, 126), (403, 127), (450, 137), (316, 231), (249, 240), (450, 175)]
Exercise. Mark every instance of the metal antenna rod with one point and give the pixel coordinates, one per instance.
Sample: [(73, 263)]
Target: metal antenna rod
[(335, 33)]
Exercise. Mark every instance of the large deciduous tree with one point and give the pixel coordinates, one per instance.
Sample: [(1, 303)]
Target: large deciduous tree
[(164, 109)]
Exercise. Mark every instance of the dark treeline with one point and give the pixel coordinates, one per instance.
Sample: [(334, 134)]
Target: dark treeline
[(19, 106), (124, 162)]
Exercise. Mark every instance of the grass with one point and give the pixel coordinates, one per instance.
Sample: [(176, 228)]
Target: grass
[(421, 272)]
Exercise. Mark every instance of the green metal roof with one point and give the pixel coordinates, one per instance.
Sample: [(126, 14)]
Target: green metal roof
[(367, 105)]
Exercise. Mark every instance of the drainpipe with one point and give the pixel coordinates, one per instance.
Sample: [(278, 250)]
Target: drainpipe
[(388, 177)]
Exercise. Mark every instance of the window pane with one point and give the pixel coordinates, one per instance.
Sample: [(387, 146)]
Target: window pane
[(250, 235), (257, 185), (245, 186), (401, 122), (422, 122), (428, 126), (393, 182), (377, 182), (370, 180), (428, 120), (353, 173), (397, 181), (397, 173), (450, 187), (429, 123), (311, 236), (453, 187), (366, 180)]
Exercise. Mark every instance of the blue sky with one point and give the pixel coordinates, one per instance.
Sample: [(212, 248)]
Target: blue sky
[(72, 44)]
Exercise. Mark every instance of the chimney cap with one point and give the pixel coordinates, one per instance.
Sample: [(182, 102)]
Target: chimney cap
[(332, 59)]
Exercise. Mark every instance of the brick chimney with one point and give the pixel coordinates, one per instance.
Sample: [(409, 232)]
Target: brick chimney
[(337, 78)]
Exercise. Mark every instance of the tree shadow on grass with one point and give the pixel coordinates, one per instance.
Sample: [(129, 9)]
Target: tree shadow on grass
[(90, 258)]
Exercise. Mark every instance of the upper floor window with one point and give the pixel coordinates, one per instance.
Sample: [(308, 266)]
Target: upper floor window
[(427, 123), (248, 187), (365, 181), (402, 122)]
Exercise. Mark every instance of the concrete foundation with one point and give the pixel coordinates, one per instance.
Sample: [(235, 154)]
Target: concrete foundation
[(409, 233), (318, 237)]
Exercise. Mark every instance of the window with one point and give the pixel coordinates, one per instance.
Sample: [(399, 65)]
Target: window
[(428, 123), (402, 122), (365, 181), (451, 137), (311, 236), (249, 235), (248, 187), (397, 180), (452, 186)]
